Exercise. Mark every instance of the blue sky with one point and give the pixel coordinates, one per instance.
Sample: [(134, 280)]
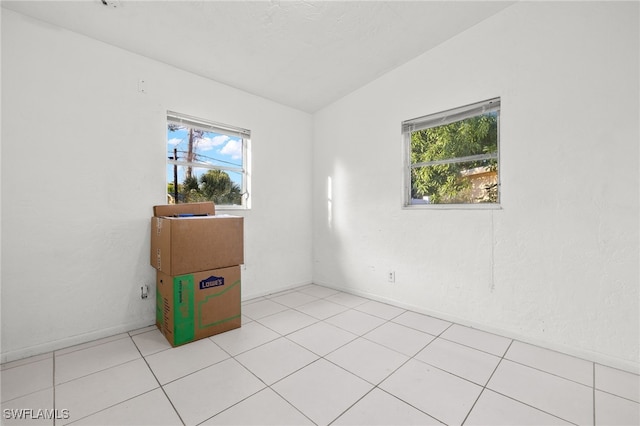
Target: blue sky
[(213, 148)]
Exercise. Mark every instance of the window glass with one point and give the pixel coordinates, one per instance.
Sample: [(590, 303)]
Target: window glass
[(453, 156), (206, 162)]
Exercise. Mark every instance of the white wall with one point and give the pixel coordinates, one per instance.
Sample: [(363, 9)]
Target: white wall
[(83, 162), (558, 264), (83, 157)]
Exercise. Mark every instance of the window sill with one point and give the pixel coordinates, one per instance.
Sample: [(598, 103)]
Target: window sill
[(480, 206), (231, 208)]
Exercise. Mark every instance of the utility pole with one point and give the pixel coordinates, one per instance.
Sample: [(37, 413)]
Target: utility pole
[(190, 153), (175, 175)]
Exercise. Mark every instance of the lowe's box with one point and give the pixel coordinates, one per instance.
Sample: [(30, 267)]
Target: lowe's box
[(197, 305), (183, 243)]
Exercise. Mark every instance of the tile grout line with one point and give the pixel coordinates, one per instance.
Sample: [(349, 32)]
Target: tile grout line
[(266, 386), (158, 381), (471, 347), (410, 405), (484, 387), (317, 321), (357, 336), (91, 344), (625, 397), (393, 349), (284, 377), (288, 307), (330, 316), (23, 361), (360, 336), (617, 396), (323, 357), (374, 385), (504, 358), (413, 357), (53, 377), (98, 371), (352, 405), (594, 393), (291, 404), (291, 332), (111, 406), (547, 372), (193, 372), (270, 386), (239, 353), (133, 397), (230, 357), (533, 407), (410, 358)]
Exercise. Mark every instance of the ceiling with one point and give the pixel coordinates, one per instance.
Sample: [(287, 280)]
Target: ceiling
[(304, 54)]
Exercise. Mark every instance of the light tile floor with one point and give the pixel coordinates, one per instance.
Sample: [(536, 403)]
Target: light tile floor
[(314, 355)]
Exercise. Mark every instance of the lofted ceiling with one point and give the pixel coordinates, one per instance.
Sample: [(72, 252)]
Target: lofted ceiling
[(304, 54)]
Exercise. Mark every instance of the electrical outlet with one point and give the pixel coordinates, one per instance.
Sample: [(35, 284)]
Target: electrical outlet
[(391, 276), (144, 291)]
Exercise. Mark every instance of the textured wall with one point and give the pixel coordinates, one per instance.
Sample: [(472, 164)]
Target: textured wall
[(558, 263), (83, 162)]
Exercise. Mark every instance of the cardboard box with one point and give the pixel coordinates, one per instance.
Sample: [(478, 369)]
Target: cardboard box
[(181, 245), (198, 305), (205, 208)]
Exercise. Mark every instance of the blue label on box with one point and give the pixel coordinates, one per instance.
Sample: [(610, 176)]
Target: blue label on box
[(212, 281)]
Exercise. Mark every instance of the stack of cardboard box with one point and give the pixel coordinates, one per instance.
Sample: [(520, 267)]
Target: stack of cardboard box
[(197, 255)]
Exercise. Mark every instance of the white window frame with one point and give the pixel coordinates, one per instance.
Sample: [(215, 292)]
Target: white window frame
[(441, 119), (210, 126)]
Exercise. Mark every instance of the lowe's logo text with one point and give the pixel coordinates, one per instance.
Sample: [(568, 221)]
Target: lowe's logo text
[(211, 282)]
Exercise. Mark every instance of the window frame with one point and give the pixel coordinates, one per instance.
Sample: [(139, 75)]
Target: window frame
[(173, 117), (440, 119)]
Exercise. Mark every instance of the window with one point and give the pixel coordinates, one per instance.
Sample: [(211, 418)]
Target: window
[(452, 157), (207, 161)]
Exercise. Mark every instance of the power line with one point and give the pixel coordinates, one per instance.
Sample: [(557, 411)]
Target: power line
[(199, 156)]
